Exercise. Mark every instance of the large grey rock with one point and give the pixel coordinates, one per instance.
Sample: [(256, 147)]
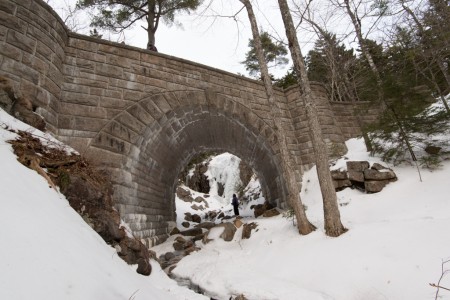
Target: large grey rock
[(356, 176), (374, 186), (370, 174), (339, 175), (357, 165), (271, 213)]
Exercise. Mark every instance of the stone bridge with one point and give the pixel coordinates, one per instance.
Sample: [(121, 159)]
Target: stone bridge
[(143, 115)]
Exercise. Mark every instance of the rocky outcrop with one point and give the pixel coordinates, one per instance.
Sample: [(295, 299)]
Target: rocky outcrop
[(360, 175), (18, 106), (198, 181)]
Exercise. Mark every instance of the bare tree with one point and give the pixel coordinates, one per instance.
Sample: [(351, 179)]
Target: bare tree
[(303, 224), (333, 225)]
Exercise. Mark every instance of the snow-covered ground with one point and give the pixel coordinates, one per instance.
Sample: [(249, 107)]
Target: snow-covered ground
[(396, 242)]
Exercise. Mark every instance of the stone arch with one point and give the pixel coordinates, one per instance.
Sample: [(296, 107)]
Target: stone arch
[(150, 142)]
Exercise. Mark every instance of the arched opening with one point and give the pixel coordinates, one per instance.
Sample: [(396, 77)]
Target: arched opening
[(206, 186), (159, 135)]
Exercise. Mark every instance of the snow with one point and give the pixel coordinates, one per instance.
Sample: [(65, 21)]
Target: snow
[(394, 248), (49, 252)]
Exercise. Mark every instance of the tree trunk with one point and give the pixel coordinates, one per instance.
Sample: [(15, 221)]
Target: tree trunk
[(151, 26), (333, 225), (303, 224)]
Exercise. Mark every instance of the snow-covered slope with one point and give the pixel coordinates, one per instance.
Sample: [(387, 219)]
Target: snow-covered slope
[(396, 242), (48, 251)]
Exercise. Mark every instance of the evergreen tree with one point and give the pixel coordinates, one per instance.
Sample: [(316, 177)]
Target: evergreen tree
[(118, 15), (274, 54)]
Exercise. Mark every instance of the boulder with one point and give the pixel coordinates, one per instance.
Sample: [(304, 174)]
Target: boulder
[(378, 167), (238, 223), (185, 224), (192, 232), (247, 230), (188, 216), (169, 255), (338, 175), (370, 174), (229, 231), (261, 208), (227, 234), (206, 225), (144, 267), (178, 246), (357, 165), (199, 199), (196, 218), (374, 186), (184, 195), (341, 184), (356, 176), (271, 213), (174, 231), (180, 239)]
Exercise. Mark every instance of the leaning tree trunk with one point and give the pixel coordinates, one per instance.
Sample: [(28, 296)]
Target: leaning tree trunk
[(303, 224), (333, 225)]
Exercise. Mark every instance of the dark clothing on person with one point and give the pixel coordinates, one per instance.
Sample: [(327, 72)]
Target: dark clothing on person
[(235, 203)]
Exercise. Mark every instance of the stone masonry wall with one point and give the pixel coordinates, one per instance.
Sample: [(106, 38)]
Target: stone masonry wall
[(142, 115)]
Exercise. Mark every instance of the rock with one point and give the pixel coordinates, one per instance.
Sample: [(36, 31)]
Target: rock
[(178, 246), (238, 223), (357, 165), (190, 250), (221, 215), (378, 167), (199, 199), (196, 218), (198, 237), (169, 255), (197, 207), (174, 231), (247, 230), (339, 175), (261, 208), (184, 195), (370, 174), (188, 244), (198, 181), (188, 217), (374, 186), (229, 231), (341, 184), (180, 239), (271, 213), (185, 224), (355, 176), (192, 232), (206, 225), (433, 150), (144, 267)]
